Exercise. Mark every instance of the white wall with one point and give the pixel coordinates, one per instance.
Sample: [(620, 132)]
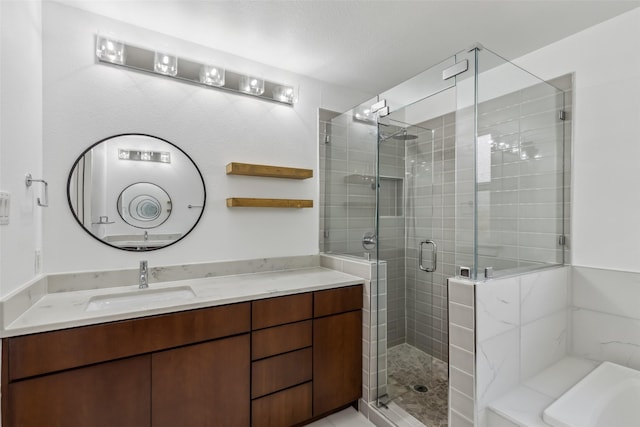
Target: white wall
[(20, 138), (606, 205), (84, 102), (64, 95)]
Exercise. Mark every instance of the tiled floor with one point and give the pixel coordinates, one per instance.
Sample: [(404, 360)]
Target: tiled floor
[(346, 418), (409, 367)]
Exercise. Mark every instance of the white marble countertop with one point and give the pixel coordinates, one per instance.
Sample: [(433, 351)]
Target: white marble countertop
[(63, 310)]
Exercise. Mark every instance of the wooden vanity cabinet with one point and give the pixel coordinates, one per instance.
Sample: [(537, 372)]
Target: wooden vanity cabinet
[(186, 368), (307, 356), (275, 362), (337, 348)]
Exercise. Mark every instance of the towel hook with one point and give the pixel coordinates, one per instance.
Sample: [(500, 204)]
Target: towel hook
[(28, 180)]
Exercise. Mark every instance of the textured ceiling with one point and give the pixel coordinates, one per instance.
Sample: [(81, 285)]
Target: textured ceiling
[(366, 45)]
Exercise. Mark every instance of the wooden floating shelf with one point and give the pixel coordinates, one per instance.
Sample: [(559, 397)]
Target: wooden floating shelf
[(239, 202), (268, 171)]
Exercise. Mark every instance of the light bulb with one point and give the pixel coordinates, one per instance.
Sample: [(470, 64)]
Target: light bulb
[(284, 94), (165, 64), (109, 50), (251, 85), (212, 75)]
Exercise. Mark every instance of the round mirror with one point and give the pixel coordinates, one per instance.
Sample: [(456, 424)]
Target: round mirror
[(136, 192)]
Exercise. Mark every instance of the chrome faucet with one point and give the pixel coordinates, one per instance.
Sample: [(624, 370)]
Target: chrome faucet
[(144, 275)]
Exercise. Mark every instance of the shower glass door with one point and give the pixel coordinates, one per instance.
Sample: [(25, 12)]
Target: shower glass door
[(416, 210), (416, 180)]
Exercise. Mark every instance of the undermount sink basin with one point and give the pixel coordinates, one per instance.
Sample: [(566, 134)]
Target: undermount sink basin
[(139, 299)]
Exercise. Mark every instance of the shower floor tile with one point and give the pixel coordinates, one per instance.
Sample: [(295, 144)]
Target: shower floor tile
[(409, 367)]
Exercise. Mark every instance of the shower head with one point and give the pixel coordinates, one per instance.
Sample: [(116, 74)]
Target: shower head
[(404, 136), (400, 135)]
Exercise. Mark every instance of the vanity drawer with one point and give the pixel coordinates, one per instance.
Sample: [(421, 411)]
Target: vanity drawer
[(37, 354), (281, 310), (334, 301), (281, 339), (279, 372), (285, 408)]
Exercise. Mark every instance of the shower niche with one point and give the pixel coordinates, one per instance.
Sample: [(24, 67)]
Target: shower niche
[(390, 196)]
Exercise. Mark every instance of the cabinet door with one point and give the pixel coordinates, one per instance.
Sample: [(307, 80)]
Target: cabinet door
[(202, 385), (104, 395), (337, 361)]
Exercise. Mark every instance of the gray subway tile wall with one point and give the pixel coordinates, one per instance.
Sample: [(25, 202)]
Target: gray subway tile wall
[(391, 236), (521, 211), (519, 202), (430, 209)]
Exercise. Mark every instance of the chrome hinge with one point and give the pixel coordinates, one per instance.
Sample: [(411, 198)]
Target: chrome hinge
[(562, 240), (383, 112), (326, 234), (454, 70), (562, 115), (378, 105), (381, 108)]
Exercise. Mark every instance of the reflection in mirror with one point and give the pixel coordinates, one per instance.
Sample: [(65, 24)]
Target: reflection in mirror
[(144, 205), (136, 192)]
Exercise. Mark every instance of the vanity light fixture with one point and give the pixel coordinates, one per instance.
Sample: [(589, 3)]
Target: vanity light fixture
[(165, 64), (148, 156), (113, 52), (109, 50), (212, 75)]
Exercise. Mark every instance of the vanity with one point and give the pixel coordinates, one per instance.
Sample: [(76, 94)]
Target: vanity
[(267, 342), (261, 361)]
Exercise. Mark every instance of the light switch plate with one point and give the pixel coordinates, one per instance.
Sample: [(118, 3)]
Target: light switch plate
[(5, 205)]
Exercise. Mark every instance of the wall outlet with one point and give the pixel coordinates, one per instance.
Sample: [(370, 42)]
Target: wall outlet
[(38, 261)]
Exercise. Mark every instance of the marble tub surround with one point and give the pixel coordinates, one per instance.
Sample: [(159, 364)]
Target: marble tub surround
[(539, 333), (62, 310), (605, 315), (523, 406), (522, 328), (602, 324), (503, 332)]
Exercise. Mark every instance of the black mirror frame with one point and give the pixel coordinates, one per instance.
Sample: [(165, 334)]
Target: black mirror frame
[(204, 189)]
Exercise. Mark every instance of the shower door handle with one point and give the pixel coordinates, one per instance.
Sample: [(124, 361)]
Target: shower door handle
[(434, 257)]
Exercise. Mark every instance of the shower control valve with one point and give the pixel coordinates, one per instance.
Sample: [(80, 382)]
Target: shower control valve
[(369, 240)]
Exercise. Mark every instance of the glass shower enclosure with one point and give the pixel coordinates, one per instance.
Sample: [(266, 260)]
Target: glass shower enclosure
[(459, 171)]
